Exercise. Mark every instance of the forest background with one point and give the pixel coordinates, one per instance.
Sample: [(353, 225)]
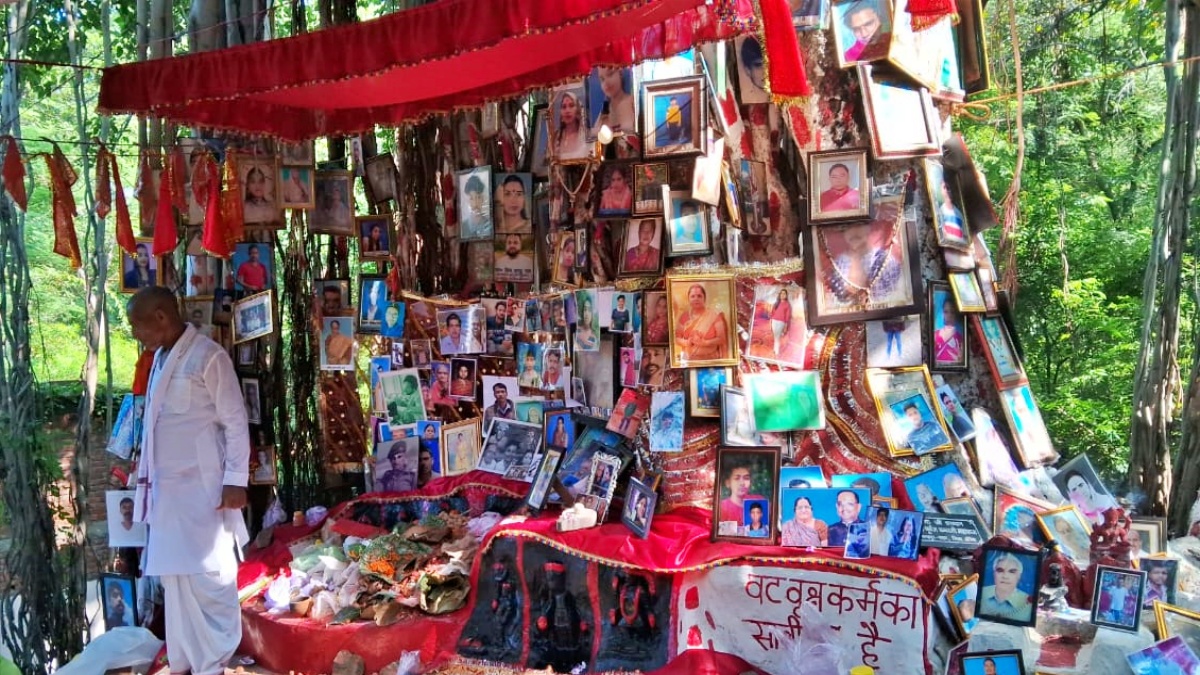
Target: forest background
[(1083, 237)]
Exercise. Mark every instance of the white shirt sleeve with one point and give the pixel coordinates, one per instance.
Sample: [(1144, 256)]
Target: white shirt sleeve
[(226, 393)]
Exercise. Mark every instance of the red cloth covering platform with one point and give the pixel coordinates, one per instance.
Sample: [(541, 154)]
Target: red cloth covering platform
[(689, 580)]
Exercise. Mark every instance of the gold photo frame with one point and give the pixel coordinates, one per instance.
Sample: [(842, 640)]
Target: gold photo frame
[(702, 320)]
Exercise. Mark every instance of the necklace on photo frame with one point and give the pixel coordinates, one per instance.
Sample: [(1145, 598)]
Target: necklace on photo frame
[(573, 193), (843, 288)]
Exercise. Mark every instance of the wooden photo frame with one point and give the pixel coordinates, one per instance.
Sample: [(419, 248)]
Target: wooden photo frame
[(1151, 535), (118, 599), (912, 420), (947, 331), (702, 320), (675, 114), (254, 317), (334, 212), (642, 248), (259, 177), (374, 234), (890, 288), (263, 470), (1003, 362), (539, 489), (746, 478), (1114, 588), (379, 172), (1009, 579), (839, 186), (296, 188), (901, 117), (568, 120), (460, 446), (687, 231)]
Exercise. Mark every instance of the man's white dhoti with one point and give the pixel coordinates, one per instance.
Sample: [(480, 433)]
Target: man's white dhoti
[(204, 621)]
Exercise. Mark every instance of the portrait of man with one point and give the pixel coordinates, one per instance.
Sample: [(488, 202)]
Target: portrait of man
[(736, 480), (139, 271), (297, 191), (865, 31), (552, 370), (752, 71), (123, 531), (687, 225), (402, 395), (952, 411), (337, 344), (502, 406), (666, 421), (117, 611), (925, 434), (333, 295), (643, 246), (842, 192), (452, 340), (399, 472), (429, 464), (514, 262), (849, 511), (474, 207), (252, 271), (1003, 595)]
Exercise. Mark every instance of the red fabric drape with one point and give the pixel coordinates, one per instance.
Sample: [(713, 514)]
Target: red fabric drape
[(400, 67), (785, 67), (62, 177), (166, 235), (14, 173), (108, 187)]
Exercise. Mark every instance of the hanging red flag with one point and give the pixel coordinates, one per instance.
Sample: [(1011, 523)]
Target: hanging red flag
[(785, 65), (178, 179), (14, 173), (206, 183), (106, 171), (146, 195), (62, 177), (233, 217), (166, 234)]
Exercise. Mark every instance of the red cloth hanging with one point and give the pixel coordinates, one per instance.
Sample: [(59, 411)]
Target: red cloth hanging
[(166, 235), (925, 13), (62, 177), (403, 66), (141, 372), (217, 238), (178, 179), (108, 177), (785, 67), (144, 191), (14, 173)]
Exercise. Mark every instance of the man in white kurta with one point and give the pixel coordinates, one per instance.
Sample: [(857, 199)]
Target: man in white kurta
[(191, 484)]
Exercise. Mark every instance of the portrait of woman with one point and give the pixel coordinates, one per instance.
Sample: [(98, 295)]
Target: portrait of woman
[(643, 247), (701, 332), (949, 329), (656, 328), (140, 270), (802, 529), (373, 237), (568, 128), (297, 192), (334, 213), (951, 223), (906, 539), (611, 100), (513, 203), (587, 328), (616, 190), (260, 202), (564, 262), (462, 387), (778, 332), (1079, 483)]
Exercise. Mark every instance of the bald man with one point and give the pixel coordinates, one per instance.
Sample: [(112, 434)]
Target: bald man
[(191, 483)]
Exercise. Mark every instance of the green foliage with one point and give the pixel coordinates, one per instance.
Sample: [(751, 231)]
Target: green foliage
[(1087, 205)]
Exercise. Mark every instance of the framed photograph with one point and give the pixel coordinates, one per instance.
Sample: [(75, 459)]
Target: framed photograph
[(420, 353), (473, 204), (1172, 655), (118, 595), (457, 328), (1029, 430), (821, 517), (957, 419), (940, 607), (733, 204), (778, 329), (640, 500), (1117, 598), (512, 196), (656, 320), (737, 422), (563, 265), (462, 385), (253, 317), (947, 330), (373, 299), (704, 387), (1002, 359), (987, 286), (1177, 622), (338, 346), (260, 190), (961, 506), (666, 421), (615, 185), (612, 99), (688, 230), (247, 354), (569, 142), (140, 271), (752, 72), (837, 290), (380, 174), (930, 488), (296, 187), (744, 496), (333, 296), (1015, 515), (1162, 578), (902, 119), (253, 267), (540, 487), (587, 325), (460, 446), (396, 464), (1007, 662), (633, 407), (198, 312), (1008, 585), (895, 533), (1148, 535), (511, 444), (202, 271), (675, 117), (839, 186), (809, 14), (895, 342), (862, 31), (252, 396), (296, 154), (928, 55), (912, 422), (967, 292), (648, 182), (788, 400), (754, 195), (540, 133), (703, 320), (1078, 481), (643, 242), (949, 219), (401, 393), (123, 532), (964, 600), (374, 236), (560, 429), (1067, 526)]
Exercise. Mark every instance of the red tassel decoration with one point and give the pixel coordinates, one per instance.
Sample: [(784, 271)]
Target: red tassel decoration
[(925, 13), (14, 173)]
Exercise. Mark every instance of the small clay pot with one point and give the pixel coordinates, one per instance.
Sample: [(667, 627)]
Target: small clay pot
[(301, 606)]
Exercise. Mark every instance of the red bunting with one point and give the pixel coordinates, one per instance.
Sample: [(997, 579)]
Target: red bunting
[(62, 177), (106, 172), (166, 234), (14, 173), (216, 238), (925, 13)]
